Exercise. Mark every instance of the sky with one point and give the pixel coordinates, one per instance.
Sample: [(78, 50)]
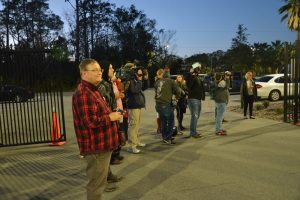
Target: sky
[(205, 26)]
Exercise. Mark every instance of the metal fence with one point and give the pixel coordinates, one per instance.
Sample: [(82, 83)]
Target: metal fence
[(291, 90), (31, 99)]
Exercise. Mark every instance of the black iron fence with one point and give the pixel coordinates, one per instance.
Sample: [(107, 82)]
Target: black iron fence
[(291, 90), (31, 98)]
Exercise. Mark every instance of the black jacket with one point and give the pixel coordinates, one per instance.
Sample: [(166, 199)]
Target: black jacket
[(244, 90), (134, 96), (106, 90), (195, 87)]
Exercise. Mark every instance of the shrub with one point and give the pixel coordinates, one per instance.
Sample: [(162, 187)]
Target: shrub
[(266, 104), (279, 111), (259, 107)]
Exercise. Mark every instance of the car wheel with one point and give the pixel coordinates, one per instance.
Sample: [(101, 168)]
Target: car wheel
[(274, 95)]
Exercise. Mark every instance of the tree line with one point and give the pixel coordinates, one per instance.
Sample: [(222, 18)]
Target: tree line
[(123, 34)]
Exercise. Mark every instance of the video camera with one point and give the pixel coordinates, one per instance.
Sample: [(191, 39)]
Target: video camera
[(126, 72), (221, 75)]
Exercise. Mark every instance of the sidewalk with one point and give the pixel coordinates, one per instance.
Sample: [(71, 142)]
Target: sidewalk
[(258, 159)]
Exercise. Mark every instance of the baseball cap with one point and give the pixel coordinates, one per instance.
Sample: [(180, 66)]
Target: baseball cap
[(196, 64), (228, 73)]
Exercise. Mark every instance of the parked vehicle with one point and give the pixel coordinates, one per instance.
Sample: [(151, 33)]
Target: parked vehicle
[(15, 93), (271, 86), (236, 81)]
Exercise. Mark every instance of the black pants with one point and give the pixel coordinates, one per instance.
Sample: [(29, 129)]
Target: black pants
[(179, 115), (248, 100), (180, 109), (125, 125), (115, 154)]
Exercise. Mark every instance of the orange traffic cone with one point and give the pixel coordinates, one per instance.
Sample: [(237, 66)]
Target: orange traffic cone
[(55, 131)]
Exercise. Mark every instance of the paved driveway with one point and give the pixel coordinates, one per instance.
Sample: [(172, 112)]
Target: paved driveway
[(259, 159)]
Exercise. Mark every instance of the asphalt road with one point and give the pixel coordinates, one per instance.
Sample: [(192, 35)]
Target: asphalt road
[(258, 159)]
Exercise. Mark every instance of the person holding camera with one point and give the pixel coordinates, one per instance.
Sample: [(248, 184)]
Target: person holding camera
[(196, 94), (165, 88), (135, 102), (213, 89), (221, 97)]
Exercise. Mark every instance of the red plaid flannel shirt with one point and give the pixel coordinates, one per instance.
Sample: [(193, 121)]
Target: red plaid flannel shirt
[(94, 130)]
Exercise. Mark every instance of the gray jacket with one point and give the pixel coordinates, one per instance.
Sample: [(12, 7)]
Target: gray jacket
[(165, 88), (222, 93)]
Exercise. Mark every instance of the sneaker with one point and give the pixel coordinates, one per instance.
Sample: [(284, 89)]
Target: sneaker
[(170, 142), (252, 117), (196, 136), (167, 141), (110, 188), (116, 162), (245, 117), (134, 150), (141, 145), (114, 178), (221, 133), (182, 128)]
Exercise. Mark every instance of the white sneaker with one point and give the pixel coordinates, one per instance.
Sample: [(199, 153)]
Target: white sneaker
[(134, 150), (141, 145)]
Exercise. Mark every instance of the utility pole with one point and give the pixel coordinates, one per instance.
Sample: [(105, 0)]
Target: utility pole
[(297, 76), (77, 33), (7, 24), (211, 61)]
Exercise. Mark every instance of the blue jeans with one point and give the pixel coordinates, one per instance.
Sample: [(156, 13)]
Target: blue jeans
[(220, 110), (195, 109), (166, 115)]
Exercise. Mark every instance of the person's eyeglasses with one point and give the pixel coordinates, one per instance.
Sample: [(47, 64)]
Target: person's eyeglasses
[(95, 70), (139, 75)]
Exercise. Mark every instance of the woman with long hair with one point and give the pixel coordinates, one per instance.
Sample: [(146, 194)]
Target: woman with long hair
[(182, 101), (248, 94)]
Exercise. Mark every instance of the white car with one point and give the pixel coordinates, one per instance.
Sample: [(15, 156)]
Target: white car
[(271, 86)]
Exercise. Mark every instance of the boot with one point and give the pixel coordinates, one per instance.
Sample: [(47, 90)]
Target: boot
[(181, 127)]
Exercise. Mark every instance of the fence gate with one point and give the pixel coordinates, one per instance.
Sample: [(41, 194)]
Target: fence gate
[(291, 90), (31, 99)]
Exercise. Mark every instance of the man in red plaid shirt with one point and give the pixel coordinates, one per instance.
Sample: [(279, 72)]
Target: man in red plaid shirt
[(95, 126)]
